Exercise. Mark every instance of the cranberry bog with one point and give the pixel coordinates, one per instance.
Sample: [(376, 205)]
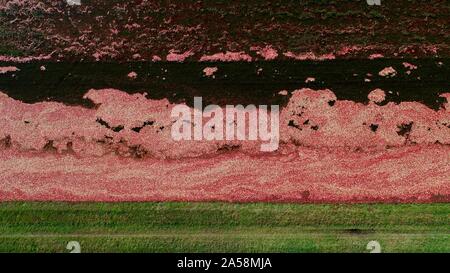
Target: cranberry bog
[(360, 96), (309, 196), (89, 132)]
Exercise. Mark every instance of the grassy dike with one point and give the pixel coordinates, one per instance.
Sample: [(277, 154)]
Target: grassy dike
[(223, 227)]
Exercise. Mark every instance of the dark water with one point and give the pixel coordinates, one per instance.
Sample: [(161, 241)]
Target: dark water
[(234, 83)]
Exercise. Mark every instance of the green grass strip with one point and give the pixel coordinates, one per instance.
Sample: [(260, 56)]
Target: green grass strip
[(223, 227)]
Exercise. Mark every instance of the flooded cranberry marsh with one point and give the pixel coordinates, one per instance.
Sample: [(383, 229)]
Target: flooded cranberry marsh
[(421, 80)]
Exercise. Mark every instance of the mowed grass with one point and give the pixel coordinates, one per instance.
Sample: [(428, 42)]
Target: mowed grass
[(223, 227)]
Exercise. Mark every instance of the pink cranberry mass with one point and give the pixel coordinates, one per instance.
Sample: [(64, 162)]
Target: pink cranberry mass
[(330, 151), (6, 69), (377, 95)]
